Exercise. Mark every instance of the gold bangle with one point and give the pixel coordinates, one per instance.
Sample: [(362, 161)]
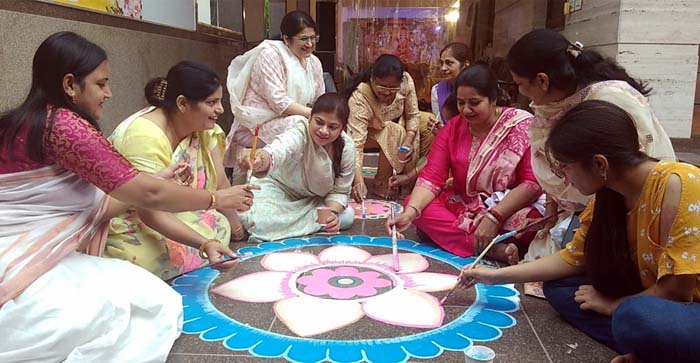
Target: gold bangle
[(492, 218), (212, 203), (415, 209), (204, 245)]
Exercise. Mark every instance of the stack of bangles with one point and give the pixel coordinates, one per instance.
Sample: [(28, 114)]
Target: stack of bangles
[(495, 217), (204, 245)]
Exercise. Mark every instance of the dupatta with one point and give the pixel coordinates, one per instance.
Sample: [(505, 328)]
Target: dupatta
[(299, 87), (315, 166), (45, 214), (191, 149), (493, 166)]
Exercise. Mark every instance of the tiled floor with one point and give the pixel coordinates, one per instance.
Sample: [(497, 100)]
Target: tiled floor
[(539, 335)]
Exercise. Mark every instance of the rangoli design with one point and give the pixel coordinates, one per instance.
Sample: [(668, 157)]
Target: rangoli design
[(374, 209), (320, 293)]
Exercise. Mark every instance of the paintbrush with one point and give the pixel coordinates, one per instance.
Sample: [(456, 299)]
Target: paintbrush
[(394, 243), (364, 210), (388, 188), (253, 149), (497, 239)]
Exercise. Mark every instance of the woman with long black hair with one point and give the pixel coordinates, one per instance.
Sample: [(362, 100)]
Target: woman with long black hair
[(557, 75), (629, 277), (60, 183)]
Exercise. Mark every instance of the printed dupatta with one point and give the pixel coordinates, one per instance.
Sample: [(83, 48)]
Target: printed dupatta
[(493, 166), (63, 216)]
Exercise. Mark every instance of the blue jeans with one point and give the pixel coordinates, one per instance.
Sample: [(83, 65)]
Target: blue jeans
[(654, 329)]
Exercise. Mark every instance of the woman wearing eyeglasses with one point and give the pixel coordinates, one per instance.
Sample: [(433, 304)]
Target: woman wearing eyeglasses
[(384, 113), (273, 85)]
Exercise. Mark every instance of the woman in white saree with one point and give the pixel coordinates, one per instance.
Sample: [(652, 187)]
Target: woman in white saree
[(59, 302), (273, 85)]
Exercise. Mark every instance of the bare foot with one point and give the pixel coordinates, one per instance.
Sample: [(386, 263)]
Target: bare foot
[(627, 358), (505, 253)]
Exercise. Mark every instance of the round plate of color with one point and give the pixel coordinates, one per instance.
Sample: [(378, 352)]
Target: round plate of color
[(338, 299), (375, 209)]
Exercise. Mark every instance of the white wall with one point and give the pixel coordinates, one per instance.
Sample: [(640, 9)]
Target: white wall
[(658, 42)]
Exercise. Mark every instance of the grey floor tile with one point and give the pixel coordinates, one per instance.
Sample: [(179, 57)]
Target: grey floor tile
[(537, 339), (563, 342)]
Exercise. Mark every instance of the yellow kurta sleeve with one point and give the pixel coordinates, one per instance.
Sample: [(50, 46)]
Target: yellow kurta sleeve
[(215, 139), (146, 147), (573, 253), (680, 253), (358, 121), (411, 113)]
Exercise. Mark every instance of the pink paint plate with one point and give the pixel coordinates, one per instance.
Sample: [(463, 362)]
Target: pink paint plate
[(375, 209)]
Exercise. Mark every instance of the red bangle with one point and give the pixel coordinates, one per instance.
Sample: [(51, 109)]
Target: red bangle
[(498, 216)]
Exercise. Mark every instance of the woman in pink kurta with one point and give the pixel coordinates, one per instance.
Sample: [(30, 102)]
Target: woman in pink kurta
[(486, 150)]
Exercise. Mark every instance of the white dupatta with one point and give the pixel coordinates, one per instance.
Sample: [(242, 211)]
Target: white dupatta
[(299, 86), (45, 214)]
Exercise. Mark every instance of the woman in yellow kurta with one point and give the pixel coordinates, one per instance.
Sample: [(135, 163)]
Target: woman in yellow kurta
[(638, 245), (384, 113), (180, 128)]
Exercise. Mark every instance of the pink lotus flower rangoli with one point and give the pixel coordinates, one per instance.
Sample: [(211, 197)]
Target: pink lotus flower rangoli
[(315, 294)]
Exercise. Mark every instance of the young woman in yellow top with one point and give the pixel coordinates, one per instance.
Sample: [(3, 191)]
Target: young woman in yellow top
[(629, 278)]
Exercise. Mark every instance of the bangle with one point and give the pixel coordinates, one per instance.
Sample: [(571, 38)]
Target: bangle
[(204, 245), (492, 218), (212, 203), (498, 216), (409, 205)]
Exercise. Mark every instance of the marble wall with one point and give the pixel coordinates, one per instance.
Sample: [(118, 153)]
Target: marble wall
[(134, 57), (658, 42)]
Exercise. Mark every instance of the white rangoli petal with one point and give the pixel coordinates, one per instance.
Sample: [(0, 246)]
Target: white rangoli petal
[(429, 281), (408, 262), (407, 308), (307, 317), (259, 287), (343, 253), (288, 261)]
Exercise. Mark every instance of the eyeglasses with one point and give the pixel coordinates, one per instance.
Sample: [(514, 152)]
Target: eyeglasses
[(556, 169), (310, 39), (385, 89)]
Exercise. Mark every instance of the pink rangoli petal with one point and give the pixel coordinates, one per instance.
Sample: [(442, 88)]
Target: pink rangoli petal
[(408, 262), (307, 317), (288, 261), (342, 253), (429, 281), (409, 308), (259, 287)]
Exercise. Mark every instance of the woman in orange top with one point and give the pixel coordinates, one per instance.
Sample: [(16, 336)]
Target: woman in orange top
[(629, 278)]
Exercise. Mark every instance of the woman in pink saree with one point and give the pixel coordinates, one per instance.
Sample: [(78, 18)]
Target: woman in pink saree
[(486, 149), (59, 178)]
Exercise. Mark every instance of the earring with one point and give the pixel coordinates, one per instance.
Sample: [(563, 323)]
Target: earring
[(72, 96), (604, 175)]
